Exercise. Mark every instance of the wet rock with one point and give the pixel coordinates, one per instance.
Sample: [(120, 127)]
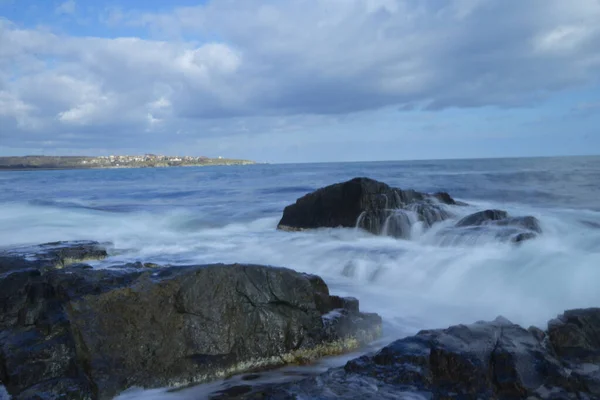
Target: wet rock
[(500, 218), (494, 223), (529, 223), (139, 265), (575, 335), (49, 256), (521, 237), (482, 217), (208, 322), (485, 360), (37, 348), (94, 333), (365, 203)]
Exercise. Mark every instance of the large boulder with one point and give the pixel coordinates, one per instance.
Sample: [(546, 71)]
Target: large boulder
[(80, 333), (485, 360), (368, 204)]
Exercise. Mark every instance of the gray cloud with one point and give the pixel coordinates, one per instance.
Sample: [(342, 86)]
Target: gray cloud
[(209, 70)]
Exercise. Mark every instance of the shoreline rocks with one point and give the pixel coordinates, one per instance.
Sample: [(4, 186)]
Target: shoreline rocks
[(83, 333), (368, 204), (484, 360)]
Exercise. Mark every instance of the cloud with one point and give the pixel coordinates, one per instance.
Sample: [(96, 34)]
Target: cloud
[(67, 8), (206, 67)]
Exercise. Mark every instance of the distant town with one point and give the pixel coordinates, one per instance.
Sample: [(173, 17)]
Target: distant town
[(113, 161)]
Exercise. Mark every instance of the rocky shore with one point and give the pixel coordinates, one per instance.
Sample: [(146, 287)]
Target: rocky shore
[(484, 360), (71, 330)]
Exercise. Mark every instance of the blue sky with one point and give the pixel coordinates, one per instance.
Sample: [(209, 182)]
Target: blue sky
[(301, 81)]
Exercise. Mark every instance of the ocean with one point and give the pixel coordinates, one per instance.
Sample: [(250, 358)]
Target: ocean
[(229, 214)]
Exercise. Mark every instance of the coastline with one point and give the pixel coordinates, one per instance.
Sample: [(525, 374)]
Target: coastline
[(41, 163), (2, 168)]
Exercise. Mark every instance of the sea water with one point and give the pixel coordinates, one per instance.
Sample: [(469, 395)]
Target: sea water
[(229, 214)]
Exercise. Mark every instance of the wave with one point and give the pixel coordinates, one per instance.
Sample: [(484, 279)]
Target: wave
[(435, 278)]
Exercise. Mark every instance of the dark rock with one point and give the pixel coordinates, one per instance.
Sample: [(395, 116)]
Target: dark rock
[(208, 322), (48, 256), (500, 218), (539, 334), (485, 360), (445, 198), (482, 217), (496, 223), (92, 333), (367, 204), (530, 223), (59, 389), (575, 335), (521, 237), (138, 265), (348, 303), (37, 347)]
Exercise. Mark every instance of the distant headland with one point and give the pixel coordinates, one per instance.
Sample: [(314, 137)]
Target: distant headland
[(113, 161)]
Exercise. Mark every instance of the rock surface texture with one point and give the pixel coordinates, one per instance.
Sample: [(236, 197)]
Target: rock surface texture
[(368, 204), (485, 360), (78, 333)]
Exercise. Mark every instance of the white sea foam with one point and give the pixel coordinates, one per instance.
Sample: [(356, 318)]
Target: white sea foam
[(416, 280)]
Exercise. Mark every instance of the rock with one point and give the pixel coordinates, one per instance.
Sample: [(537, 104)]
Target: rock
[(365, 203), (91, 334), (495, 223), (575, 335), (521, 237), (485, 360), (482, 217), (500, 218), (51, 255), (445, 198), (37, 347)]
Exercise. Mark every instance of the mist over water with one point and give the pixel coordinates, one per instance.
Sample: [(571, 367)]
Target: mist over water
[(229, 214)]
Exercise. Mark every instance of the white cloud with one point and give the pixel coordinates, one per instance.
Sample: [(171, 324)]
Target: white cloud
[(68, 7), (270, 59)]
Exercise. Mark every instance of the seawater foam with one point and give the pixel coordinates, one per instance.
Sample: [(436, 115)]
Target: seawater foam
[(528, 283)]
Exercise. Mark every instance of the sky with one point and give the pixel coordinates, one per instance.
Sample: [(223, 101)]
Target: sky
[(301, 80)]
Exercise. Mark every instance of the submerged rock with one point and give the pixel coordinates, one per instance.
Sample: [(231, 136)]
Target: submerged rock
[(482, 217), (367, 204), (497, 223), (76, 333), (500, 218), (485, 360)]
